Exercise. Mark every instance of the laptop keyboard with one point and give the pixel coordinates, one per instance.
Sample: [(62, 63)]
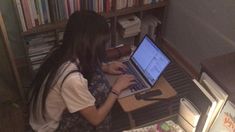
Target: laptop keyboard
[(139, 83)]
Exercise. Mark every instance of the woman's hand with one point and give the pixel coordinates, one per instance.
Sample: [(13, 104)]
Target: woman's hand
[(114, 67), (123, 82)]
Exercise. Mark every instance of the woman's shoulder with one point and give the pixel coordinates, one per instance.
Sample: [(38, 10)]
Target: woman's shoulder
[(70, 70), (68, 67)]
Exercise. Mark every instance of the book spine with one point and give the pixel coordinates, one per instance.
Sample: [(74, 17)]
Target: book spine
[(91, 5), (31, 12), (57, 11), (51, 9), (69, 8), (71, 5), (102, 6), (79, 5), (44, 11), (107, 6), (38, 12), (75, 5), (98, 7), (27, 14), (61, 10), (39, 2), (48, 11), (21, 15), (34, 11), (66, 9)]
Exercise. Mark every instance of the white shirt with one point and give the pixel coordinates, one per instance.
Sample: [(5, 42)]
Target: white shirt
[(73, 95)]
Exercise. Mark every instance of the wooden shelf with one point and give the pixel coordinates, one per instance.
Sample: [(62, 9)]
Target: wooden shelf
[(45, 28), (136, 9), (115, 13)]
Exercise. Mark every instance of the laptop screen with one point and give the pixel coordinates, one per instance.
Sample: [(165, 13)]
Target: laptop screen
[(150, 60)]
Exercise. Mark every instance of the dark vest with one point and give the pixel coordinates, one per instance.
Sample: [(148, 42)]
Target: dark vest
[(75, 122)]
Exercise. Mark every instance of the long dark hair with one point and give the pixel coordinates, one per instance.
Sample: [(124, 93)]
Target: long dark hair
[(85, 39)]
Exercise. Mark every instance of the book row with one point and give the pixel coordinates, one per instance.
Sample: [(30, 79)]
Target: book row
[(33, 13)]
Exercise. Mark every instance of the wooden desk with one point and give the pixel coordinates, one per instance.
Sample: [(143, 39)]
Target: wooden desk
[(130, 103)]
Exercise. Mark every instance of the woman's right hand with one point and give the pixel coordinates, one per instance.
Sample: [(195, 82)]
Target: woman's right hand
[(123, 82)]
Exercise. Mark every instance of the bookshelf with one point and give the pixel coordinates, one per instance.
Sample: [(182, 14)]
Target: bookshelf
[(112, 12)]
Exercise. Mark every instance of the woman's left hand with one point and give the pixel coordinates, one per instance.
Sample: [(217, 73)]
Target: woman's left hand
[(114, 67)]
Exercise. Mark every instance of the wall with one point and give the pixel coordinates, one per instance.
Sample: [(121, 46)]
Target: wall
[(9, 15), (201, 29), (8, 87)]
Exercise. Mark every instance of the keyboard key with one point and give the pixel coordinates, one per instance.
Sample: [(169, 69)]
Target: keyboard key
[(139, 84)]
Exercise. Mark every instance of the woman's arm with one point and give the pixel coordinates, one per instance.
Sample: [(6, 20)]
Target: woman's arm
[(96, 115), (114, 67)]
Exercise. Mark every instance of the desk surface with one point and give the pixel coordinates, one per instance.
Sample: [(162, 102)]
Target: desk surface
[(130, 103)]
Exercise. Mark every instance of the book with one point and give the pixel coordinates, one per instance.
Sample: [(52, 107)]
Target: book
[(35, 15), (129, 26), (226, 119), (40, 11), (31, 12), (189, 112), (52, 9), (149, 25), (217, 92), (36, 2), (206, 104), (188, 115), (20, 14), (128, 21), (185, 125), (44, 11), (27, 15), (48, 11)]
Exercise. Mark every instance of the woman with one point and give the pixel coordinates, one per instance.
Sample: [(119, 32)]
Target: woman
[(70, 93)]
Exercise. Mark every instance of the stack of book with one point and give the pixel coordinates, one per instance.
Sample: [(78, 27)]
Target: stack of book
[(38, 48), (219, 95), (188, 115), (208, 99), (129, 26), (149, 26)]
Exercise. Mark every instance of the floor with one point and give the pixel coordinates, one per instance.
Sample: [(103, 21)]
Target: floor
[(12, 116)]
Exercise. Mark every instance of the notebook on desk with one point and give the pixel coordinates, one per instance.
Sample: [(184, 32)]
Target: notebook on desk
[(147, 63)]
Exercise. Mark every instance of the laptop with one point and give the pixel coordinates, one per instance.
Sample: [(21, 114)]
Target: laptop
[(146, 63)]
